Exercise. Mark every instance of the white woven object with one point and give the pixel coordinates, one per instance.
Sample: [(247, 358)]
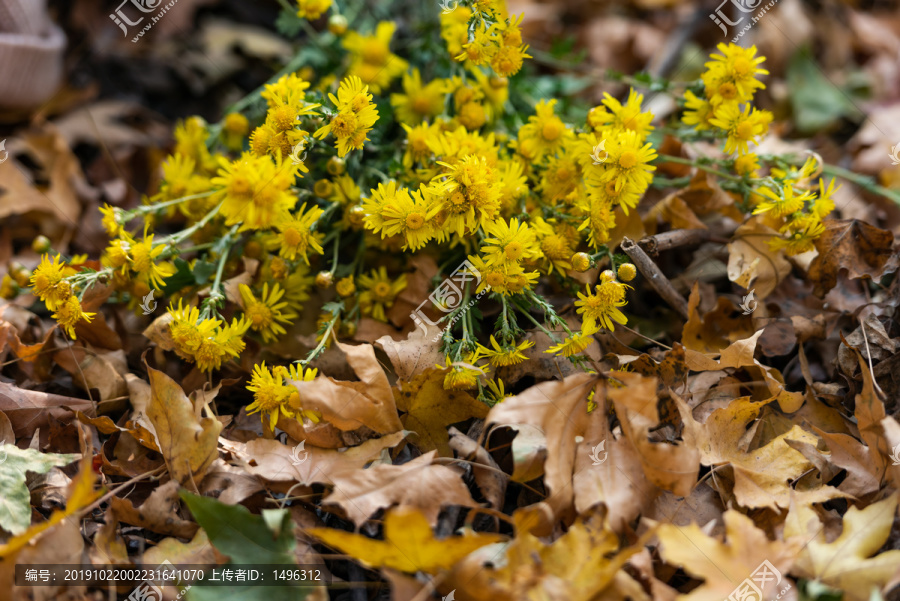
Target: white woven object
[(31, 53)]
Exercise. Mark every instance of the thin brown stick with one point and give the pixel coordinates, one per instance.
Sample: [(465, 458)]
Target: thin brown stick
[(672, 239), (654, 276)]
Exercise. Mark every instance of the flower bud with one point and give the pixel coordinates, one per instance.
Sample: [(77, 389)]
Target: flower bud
[(324, 279), (608, 275), (627, 271), (337, 24), (335, 166), (41, 245), (581, 262)]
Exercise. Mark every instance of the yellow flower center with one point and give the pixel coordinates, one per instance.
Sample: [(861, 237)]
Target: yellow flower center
[(495, 278), (373, 51), (563, 173), (458, 199), (513, 251), (343, 125), (141, 261), (421, 105), (382, 291), (551, 130), (744, 130), (415, 221), (239, 186), (742, 67), (611, 188), (284, 118), (292, 236), (628, 159), (728, 91), (260, 315), (41, 281)]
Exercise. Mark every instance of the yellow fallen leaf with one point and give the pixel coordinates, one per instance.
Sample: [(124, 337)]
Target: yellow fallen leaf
[(583, 564), (762, 475), (408, 545), (430, 409), (846, 563), (187, 441), (727, 566)]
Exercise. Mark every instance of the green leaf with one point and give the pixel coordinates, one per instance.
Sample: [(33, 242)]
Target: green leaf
[(181, 278), (202, 271), (15, 502), (246, 539), (818, 104)]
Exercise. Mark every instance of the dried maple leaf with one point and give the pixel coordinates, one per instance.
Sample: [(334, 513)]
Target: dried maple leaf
[(187, 441), (846, 563), (408, 545), (761, 475), (615, 478), (862, 249), (418, 483), (584, 563), (740, 354), (724, 566), (430, 408)]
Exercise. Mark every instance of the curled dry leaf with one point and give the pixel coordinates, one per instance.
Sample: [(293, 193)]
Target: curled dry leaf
[(187, 442), (351, 405), (862, 249)]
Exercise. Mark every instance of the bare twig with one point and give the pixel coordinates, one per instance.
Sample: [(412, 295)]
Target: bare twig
[(660, 282), (672, 239)]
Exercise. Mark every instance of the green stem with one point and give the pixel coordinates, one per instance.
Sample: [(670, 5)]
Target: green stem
[(540, 326), (135, 212), (863, 181), (315, 352), (179, 236), (212, 302)]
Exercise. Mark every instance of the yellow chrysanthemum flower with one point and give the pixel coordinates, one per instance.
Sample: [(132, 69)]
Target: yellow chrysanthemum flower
[(784, 203), (572, 345), (736, 66), (418, 102), (48, 281), (509, 243), (371, 58), (68, 313), (502, 356), (743, 127), (295, 236), (544, 134), (266, 314), (312, 9), (355, 117), (602, 305), (379, 292)]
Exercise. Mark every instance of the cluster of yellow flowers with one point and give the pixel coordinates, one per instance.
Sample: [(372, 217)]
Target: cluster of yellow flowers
[(49, 283), (495, 39), (726, 110), (515, 198)]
